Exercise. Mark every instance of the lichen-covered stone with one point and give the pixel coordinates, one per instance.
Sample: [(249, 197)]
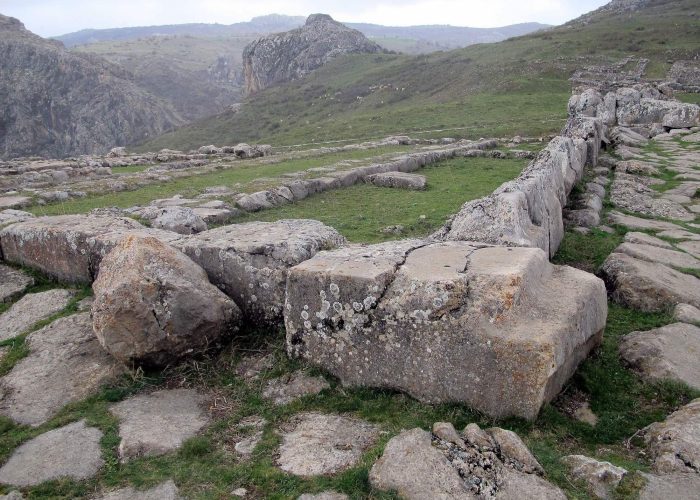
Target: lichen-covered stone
[(434, 319), (250, 261)]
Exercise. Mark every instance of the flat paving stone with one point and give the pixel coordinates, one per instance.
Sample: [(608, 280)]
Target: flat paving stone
[(645, 239), (679, 234), (65, 364), (32, 308), (685, 313), (164, 491), (285, 389), (72, 451), (13, 282), (665, 256), (159, 422), (669, 352), (315, 444), (324, 495), (633, 222), (692, 247), (648, 286)]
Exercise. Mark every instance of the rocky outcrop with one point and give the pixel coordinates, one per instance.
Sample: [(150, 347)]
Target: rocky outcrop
[(153, 305), (59, 103), (289, 56), (444, 464), (408, 315)]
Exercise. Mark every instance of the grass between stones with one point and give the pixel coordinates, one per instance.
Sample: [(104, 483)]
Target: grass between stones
[(360, 212)]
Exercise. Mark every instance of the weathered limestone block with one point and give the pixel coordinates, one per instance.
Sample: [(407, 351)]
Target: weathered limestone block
[(652, 253), (434, 319), (669, 352), (164, 491), (182, 220), (600, 477), (528, 210), (671, 114), (69, 248), (153, 305), (249, 262), (674, 444), (398, 180), (13, 282), (648, 286)]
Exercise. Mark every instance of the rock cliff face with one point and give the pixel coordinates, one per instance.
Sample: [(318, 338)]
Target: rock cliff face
[(292, 55), (56, 103)]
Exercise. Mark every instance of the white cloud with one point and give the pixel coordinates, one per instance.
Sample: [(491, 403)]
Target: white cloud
[(54, 17)]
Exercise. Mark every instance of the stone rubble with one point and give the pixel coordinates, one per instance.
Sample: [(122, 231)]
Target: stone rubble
[(288, 388)]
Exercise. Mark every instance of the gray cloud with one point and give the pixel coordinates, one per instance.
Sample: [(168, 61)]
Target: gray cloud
[(55, 17)]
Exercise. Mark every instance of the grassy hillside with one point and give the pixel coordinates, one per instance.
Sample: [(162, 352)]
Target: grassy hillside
[(519, 86)]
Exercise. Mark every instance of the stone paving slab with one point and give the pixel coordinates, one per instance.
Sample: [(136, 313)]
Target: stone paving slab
[(316, 444), (669, 352), (285, 389), (165, 491), (72, 452), (32, 308), (160, 422), (665, 256), (65, 364)]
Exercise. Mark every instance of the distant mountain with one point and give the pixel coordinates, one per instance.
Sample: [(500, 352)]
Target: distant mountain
[(57, 103), (284, 57), (411, 39)]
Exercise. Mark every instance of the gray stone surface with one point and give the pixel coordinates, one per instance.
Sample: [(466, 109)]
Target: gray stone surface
[(159, 422), (645, 239), (670, 487), (69, 248), (513, 451), (674, 444), (182, 220), (406, 315), (601, 478), (30, 309), (316, 444), (651, 253), (692, 247), (65, 364), (13, 282), (250, 261), (324, 495), (254, 426), (71, 452), (633, 222), (400, 180), (153, 305), (419, 465), (669, 352), (648, 286), (679, 234), (685, 313), (287, 388), (164, 491)]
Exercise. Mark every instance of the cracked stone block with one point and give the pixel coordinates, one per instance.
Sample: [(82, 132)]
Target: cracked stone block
[(65, 364), (399, 180), (316, 444), (249, 262), (69, 248), (436, 319), (72, 451), (158, 423), (13, 282), (30, 309)]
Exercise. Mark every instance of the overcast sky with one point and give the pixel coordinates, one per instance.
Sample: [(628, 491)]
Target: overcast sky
[(56, 17)]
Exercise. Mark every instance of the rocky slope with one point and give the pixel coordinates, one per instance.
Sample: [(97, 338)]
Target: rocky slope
[(289, 56), (56, 103)]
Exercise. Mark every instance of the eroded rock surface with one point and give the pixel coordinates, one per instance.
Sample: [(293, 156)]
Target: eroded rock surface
[(600, 477), (65, 364), (408, 315), (159, 422), (30, 309), (13, 282), (674, 444), (165, 491), (153, 305), (670, 486), (314, 443), (72, 451), (669, 352), (285, 389), (419, 465)]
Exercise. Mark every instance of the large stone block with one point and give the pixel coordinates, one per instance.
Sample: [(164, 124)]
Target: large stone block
[(69, 248), (249, 262), (500, 329)]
